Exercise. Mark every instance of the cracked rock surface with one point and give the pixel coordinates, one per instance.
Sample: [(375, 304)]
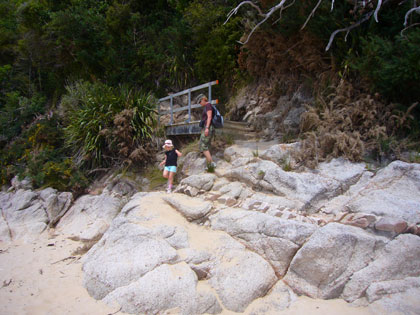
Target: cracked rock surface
[(248, 238)]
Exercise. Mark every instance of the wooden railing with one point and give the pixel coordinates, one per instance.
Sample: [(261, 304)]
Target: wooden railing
[(190, 106)]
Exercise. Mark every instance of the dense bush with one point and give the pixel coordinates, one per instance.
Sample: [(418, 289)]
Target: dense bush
[(216, 44), (39, 155), (16, 111), (392, 65), (107, 126)]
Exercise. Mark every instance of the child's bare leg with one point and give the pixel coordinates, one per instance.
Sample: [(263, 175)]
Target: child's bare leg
[(166, 173), (171, 178)]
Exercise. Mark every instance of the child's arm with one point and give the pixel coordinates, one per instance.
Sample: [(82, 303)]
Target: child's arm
[(163, 162), (178, 153)]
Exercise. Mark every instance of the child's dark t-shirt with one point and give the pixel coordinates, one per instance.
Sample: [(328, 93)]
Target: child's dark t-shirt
[(171, 158)]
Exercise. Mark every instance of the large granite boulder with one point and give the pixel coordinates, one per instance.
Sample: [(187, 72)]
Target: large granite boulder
[(195, 210), (126, 253), (90, 216), (240, 277), (275, 239), (167, 287), (26, 213), (394, 192), (311, 189), (327, 261), (399, 261), (145, 263)]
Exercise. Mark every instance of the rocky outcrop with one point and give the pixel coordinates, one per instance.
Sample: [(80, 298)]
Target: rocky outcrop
[(27, 213), (394, 192), (195, 210), (240, 277), (399, 260), (168, 287), (275, 239), (246, 238), (325, 263), (137, 252), (90, 216)]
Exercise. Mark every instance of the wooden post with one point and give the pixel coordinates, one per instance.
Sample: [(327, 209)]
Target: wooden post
[(189, 105), (172, 111)]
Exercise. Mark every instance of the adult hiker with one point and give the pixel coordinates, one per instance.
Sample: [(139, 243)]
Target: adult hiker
[(207, 130)]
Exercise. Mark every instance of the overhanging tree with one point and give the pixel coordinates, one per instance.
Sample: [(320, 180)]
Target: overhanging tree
[(362, 10)]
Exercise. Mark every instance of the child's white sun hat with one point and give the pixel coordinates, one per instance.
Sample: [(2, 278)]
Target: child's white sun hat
[(168, 143)]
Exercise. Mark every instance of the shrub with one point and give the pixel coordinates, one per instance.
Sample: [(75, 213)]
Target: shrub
[(107, 126), (39, 155), (18, 111), (349, 123), (392, 65)]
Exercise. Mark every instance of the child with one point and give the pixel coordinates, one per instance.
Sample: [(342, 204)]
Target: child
[(170, 161)]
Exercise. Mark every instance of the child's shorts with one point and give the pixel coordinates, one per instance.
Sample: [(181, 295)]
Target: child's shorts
[(170, 168)]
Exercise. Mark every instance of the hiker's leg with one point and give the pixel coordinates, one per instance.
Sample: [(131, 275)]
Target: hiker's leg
[(208, 156), (205, 143)]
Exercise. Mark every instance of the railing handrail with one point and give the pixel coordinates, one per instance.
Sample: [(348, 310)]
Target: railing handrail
[(189, 106), (195, 88)]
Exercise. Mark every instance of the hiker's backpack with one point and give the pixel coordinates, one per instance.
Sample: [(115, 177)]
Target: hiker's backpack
[(217, 120)]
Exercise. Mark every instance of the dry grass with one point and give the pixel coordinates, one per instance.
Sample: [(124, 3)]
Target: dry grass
[(349, 123)]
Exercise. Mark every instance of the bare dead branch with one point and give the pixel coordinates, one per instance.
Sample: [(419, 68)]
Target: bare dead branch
[(408, 14), (348, 29), (266, 15), (282, 9), (281, 6), (408, 27), (375, 15), (312, 14), (234, 11)]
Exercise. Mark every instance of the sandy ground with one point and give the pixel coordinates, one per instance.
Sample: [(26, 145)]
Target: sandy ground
[(45, 276)]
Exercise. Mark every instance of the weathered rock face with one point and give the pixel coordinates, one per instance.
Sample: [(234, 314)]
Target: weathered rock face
[(195, 210), (24, 184), (139, 265), (26, 214), (90, 217), (394, 192), (325, 263), (333, 232), (195, 184), (240, 277), (399, 260), (127, 252), (192, 164), (273, 116), (164, 288), (275, 239), (278, 299), (310, 189)]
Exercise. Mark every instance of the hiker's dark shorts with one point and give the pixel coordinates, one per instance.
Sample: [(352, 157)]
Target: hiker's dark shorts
[(205, 142)]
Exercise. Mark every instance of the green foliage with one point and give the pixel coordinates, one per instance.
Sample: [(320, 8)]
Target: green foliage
[(38, 155), (106, 123), (216, 44), (392, 65), (16, 111)]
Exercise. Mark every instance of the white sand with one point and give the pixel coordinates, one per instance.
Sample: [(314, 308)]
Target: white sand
[(45, 277), (40, 278)]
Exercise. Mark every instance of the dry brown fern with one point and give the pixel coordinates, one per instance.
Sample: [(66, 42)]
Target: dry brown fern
[(348, 123)]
